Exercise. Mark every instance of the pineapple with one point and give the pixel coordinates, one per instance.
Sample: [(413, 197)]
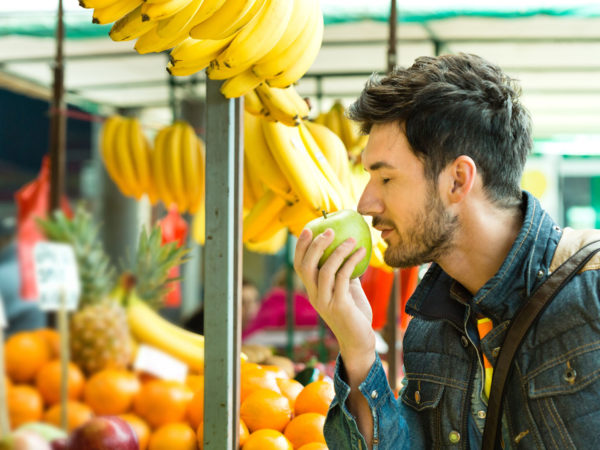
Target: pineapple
[(100, 336)]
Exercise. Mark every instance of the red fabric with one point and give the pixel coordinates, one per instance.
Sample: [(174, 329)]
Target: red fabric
[(174, 229), (377, 284), (272, 312), (33, 201)]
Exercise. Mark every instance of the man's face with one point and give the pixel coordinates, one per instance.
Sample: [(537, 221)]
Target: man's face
[(405, 205)]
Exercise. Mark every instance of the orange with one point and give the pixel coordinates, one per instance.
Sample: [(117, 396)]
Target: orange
[(266, 409), (111, 391), (267, 440), (244, 432), (305, 428), (173, 436), (160, 402), (200, 436), (25, 404), (195, 409), (195, 382), (52, 339), (77, 414), (315, 397), (314, 446), (24, 354), (290, 388), (255, 378), (141, 428), (48, 382)]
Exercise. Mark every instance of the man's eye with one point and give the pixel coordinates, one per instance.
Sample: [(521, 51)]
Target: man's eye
[(385, 180)]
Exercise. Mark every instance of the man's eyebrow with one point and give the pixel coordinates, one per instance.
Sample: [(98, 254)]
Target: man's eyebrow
[(380, 165)]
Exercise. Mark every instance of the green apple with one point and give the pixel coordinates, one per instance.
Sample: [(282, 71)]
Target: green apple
[(345, 223)]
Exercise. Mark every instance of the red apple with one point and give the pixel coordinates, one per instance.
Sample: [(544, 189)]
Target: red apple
[(103, 433), (59, 444)]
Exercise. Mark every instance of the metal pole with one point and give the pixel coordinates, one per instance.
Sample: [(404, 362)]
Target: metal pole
[(222, 280), (58, 123), (290, 307), (392, 56)]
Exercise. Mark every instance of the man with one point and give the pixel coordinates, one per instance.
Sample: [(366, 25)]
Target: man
[(448, 140)]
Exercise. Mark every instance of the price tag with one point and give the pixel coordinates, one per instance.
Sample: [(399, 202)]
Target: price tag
[(3, 322), (56, 275), (156, 362)]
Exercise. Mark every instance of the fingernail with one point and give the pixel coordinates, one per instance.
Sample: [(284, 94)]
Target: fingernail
[(304, 234), (351, 240), (328, 232)]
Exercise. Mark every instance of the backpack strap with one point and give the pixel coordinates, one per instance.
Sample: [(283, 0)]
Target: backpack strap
[(571, 241)]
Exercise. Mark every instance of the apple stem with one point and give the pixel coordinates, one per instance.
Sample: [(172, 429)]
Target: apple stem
[(324, 213)]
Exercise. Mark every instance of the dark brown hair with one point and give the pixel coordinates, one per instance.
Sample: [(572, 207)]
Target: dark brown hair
[(455, 105)]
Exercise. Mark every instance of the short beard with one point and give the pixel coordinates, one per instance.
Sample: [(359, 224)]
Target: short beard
[(429, 239)]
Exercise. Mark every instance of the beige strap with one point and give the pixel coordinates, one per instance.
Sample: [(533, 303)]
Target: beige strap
[(571, 241)]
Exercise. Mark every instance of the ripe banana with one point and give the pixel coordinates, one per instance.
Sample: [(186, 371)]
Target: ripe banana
[(296, 215), (130, 26), (299, 103), (295, 163), (279, 105), (333, 149), (161, 178), (269, 246), (173, 25), (162, 10), (173, 163), (258, 37), (140, 156), (150, 41), (198, 202), (256, 188), (207, 9), (89, 4), (199, 225), (194, 52), (240, 84), (108, 150), (227, 20), (114, 11), (300, 66), (264, 212), (260, 159), (249, 199), (269, 229), (149, 327), (191, 166), (252, 103), (302, 12)]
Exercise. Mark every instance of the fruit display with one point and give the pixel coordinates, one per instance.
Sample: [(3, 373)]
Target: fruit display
[(246, 42)]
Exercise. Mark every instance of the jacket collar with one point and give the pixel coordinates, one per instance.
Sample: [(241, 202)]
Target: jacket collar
[(436, 295)]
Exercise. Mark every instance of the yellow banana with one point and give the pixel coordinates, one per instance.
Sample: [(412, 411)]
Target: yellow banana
[(199, 225), (295, 163), (227, 20), (299, 103), (130, 26), (269, 229), (301, 65), (108, 150), (161, 179), (197, 202), (139, 151), (252, 103), (273, 66), (262, 214), (332, 121), (191, 165), (174, 166), (333, 149), (207, 9), (325, 168), (124, 160), (240, 84), (320, 119), (261, 160), (249, 199), (159, 11), (172, 25), (271, 245), (89, 4), (296, 215), (114, 11), (301, 15), (258, 37), (149, 327), (150, 41), (278, 104), (191, 50), (256, 186), (182, 70)]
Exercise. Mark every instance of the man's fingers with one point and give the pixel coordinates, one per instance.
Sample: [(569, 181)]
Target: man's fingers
[(328, 271), (342, 279), (302, 244)]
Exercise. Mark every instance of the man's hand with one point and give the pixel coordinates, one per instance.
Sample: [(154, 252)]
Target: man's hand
[(339, 300)]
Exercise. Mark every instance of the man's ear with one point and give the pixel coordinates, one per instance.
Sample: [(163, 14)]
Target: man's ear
[(460, 177)]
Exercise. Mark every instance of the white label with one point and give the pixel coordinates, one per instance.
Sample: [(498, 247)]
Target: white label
[(56, 275), (3, 322), (158, 363)]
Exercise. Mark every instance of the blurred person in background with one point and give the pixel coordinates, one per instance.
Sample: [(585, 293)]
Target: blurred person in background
[(21, 315), (448, 140)]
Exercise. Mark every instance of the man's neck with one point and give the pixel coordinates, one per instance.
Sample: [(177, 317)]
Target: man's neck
[(485, 238)]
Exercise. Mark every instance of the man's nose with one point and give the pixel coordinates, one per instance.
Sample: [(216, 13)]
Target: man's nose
[(369, 203)]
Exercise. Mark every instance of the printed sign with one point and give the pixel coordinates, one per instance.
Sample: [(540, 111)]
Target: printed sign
[(56, 275)]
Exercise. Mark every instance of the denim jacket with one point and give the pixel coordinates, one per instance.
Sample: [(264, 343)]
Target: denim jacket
[(552, 398)]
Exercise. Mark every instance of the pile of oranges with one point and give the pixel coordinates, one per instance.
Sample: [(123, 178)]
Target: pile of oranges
[(276, 412)]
